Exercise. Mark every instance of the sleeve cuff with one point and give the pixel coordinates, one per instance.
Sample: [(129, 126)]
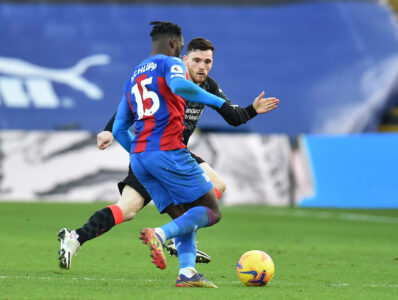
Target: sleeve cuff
[(109, 125), (251, 111)]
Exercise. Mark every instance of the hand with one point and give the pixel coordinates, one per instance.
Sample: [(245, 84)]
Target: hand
[(104, 139), (263, 105)]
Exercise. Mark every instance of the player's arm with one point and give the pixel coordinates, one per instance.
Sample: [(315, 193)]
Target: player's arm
[(190, 91), (233, 114), (122, 123), (109, 125), (239, 115), (105, 137)]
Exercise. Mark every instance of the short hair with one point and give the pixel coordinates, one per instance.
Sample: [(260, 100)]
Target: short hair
[(200, 43), (164, 28)]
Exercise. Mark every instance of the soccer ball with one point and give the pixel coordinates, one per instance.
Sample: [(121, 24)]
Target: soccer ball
[(255, 268)]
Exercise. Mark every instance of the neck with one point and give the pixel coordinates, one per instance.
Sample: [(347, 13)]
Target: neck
[(162, 46), (164, 51)]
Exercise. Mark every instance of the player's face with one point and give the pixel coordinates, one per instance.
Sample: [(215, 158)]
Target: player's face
[(198, 64)]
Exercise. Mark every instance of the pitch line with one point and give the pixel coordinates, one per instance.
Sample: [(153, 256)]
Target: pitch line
[(364, 285), (74, 278), (334, 215), (279, 283)]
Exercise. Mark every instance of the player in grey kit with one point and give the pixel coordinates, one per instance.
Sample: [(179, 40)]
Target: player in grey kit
[(134, 197)]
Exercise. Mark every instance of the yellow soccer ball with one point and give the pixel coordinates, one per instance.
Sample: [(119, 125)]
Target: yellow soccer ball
[(255, 268)]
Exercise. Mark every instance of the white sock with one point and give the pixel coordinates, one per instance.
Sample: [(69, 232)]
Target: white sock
[(161, 234), (188, 272)]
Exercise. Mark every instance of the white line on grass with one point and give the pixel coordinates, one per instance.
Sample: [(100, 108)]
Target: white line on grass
[(333, 215), (365, 285), (71, 278), (279, 283)]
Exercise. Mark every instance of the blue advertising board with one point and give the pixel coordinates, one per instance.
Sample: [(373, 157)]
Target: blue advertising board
[(353, 171), (332, 64)]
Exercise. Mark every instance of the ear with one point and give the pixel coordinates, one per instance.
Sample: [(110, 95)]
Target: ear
[(173, 44), (185, 59)]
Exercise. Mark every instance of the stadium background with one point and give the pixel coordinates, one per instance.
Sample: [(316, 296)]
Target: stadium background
[(331, 144), (333, 65)]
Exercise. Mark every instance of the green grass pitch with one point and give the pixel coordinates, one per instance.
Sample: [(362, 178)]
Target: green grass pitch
[(318, 254)]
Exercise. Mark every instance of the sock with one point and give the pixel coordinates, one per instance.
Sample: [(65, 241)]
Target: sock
[(188, 272), (159, 232), (117, 213), (186, 248), (101, 221), (195, 218), (218, 193)]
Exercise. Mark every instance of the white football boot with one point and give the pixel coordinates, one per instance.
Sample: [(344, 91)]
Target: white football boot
[(69, 247)]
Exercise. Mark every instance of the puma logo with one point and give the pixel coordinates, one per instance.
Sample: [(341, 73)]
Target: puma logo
[(23, 83)]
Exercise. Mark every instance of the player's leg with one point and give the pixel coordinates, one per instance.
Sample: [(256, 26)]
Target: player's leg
[(188, 276), (100, 222), (106, 218), (203, 212), (193, 219), (177, 174), (219, 188), (185, 182), (130, 203), (133, 198), (161, 199), (130, 208), (218, 183), (201, 257)]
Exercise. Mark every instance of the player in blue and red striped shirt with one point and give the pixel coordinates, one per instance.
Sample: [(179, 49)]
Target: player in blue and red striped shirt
[(154, 99)]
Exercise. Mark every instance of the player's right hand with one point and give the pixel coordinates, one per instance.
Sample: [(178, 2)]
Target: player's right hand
[(104, 139)]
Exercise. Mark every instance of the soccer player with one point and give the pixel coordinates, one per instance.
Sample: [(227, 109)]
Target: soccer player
[(153, 99), (199, 60)]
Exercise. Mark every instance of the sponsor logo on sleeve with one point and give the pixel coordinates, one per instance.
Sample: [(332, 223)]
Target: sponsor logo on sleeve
[(177, 75), (176, 69)]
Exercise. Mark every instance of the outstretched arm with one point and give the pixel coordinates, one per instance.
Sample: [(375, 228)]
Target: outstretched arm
[(179, 85), (233, 114), (238, 115)]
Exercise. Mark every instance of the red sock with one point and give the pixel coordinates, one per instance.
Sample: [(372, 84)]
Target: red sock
[(117, 213), (218, 193)]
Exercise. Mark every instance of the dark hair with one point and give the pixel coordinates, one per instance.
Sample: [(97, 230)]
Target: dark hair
[(200, 43), (164, 28)]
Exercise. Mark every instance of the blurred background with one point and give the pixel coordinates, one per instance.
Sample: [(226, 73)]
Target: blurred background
[(332, 142)]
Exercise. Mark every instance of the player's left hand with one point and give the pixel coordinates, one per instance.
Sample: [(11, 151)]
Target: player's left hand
[(263, 105)]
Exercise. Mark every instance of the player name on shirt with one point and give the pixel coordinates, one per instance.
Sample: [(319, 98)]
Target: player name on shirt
[(149, 66)]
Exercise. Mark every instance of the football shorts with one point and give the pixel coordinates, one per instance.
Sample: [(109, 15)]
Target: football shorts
[(170, 176), (132, 181)]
